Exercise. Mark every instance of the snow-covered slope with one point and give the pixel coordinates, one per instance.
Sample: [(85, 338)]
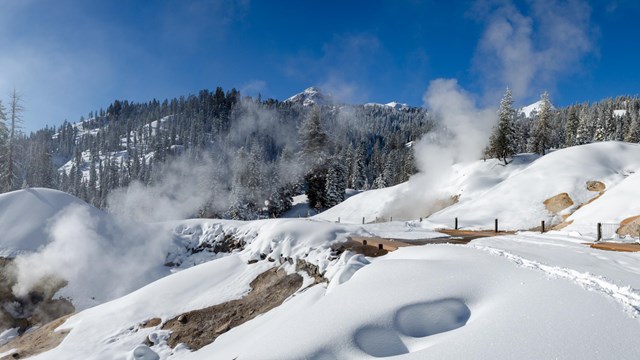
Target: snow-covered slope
[(527, 110), (518, 200), (514, 194), (524, 299), (527, 296), (25, 216)]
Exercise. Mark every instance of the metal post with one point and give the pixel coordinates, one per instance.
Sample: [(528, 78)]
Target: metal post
[(599, 232), (456, 224), (496, 225), (542, 231)]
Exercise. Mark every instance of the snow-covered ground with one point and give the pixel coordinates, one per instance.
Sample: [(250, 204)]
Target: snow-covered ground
[(526, 295), (515, 193)]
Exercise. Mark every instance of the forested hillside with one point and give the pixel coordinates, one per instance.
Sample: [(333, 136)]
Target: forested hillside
[(259, 153)]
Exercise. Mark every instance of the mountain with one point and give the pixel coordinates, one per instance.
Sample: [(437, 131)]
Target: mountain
[(311, 96)]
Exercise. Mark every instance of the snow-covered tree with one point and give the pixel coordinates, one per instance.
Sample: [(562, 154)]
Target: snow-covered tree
[(502, 143), (541, 137), (571, 127)]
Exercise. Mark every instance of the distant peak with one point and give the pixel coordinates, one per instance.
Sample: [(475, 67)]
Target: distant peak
[(311, 96)]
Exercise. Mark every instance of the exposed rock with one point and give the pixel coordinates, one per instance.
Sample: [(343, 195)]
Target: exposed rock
[(151, 323), (596, 186), (268, 290), (36, 341), (312, 270), (558, 203), (630, 226)]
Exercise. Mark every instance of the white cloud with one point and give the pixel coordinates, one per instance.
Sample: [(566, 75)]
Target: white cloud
[(529, 52)]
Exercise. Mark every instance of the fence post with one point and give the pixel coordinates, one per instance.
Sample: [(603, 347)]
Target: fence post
[(390, 218), (338, 220), (456, 224), (420, 219), (496, 229), (364, 242), (380, 246), (599, 232), (542, 231), (363, 220)]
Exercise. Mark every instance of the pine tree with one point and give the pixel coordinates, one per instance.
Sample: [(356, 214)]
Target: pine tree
[(502, 143), (3, 144), (15, 120), (541, 138), (633, 133), (582, 133), (332, 195), (571, 128), (313, 138)]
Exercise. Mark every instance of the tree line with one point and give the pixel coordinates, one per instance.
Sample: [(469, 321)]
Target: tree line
[(261, 153)]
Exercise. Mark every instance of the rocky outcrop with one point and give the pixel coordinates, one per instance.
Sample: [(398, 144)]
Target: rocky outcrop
[(558, 203), (198, 328)]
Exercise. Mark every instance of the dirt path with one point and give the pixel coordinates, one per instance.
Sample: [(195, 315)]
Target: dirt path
[(624, 247), (377, 246)]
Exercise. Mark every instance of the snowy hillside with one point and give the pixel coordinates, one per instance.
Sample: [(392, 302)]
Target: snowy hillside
[(26, 215), (520, 288), (205, 286), (515, 194)]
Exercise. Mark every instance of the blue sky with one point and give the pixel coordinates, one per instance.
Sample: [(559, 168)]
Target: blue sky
[(68, 57)]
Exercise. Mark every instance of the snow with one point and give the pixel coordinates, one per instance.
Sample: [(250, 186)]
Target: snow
[(457, 302), (25, 216), (311, 96), (517, 200), (515, 194), (525, 296), (529, 109), (393, 104), (619, 113)]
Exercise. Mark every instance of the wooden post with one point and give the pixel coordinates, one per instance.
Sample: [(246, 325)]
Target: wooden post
[(380, 247), (363, 220), (364, 242), (599, 232), (496, 225), (542, 223), (456, 224)]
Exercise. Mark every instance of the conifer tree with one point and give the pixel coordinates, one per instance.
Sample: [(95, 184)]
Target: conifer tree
[(541, 137), (571, 127), (502, 143)]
